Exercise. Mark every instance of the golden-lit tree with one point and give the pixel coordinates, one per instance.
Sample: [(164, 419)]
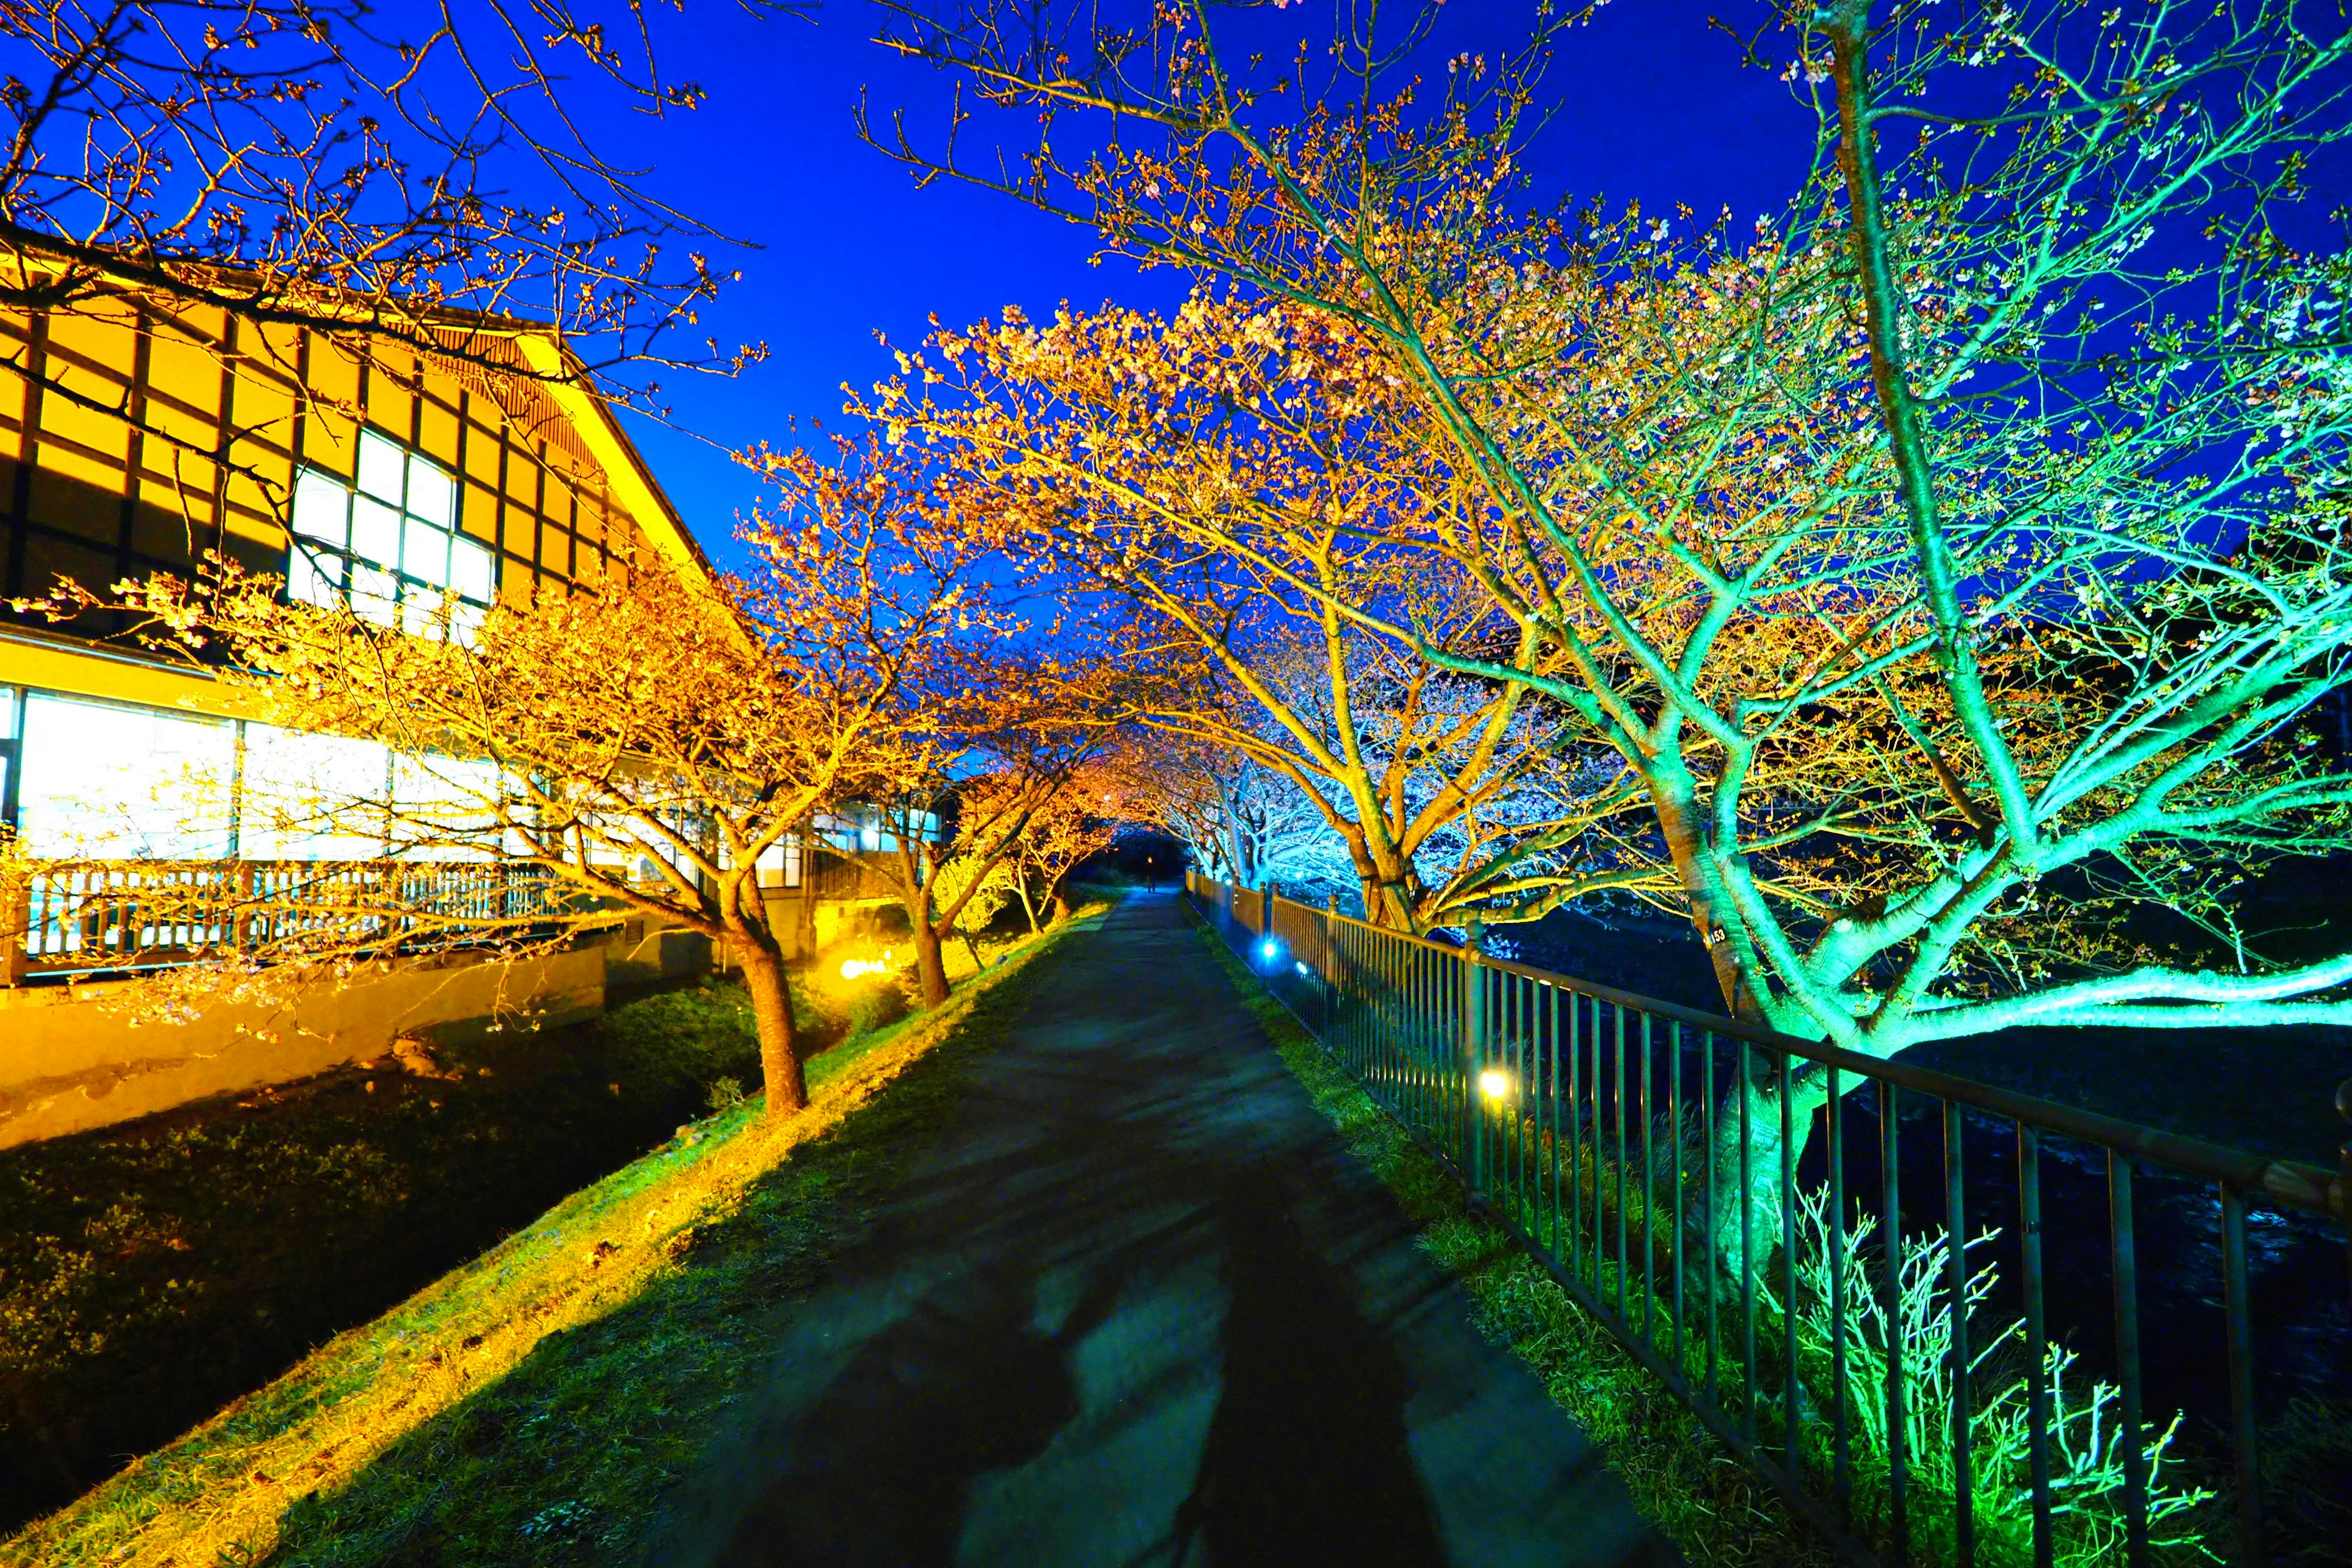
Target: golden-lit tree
[(1231, 471), (1003, 736), (645, 749), (1080, 820)]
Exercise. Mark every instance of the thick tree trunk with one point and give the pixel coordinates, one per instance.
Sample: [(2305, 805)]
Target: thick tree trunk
[(1061, 904), (772, 1015), (930, 967), (1766, 1157), (1678, 819)]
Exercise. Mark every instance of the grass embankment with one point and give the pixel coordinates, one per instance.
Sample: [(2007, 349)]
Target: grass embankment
[(1708, 1504), (152, 1271), (531, 1405)]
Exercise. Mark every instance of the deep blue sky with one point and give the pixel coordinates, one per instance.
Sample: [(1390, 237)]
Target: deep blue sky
[(1655, 105)]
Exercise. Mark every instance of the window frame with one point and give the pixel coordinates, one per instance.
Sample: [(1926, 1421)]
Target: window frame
[(385, 592)]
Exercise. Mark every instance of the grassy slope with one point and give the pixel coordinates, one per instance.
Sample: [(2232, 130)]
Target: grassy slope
[(531, 1405), (149, 1273), (1708, 1504)]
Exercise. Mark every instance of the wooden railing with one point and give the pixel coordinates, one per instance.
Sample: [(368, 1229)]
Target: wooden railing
[(77, 917), (80, 916)]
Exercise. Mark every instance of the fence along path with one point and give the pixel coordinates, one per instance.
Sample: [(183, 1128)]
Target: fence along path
[(1971, 1434)]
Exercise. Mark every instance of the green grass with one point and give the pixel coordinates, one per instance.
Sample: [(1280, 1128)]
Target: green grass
[(532, 1406), (1701, 1498)]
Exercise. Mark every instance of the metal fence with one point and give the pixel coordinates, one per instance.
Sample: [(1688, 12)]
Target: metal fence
[(2090, 1374)]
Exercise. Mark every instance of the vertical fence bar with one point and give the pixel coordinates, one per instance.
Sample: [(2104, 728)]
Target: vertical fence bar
[(2244, 1438), (1714, 1277), (1793, 1394), (1956, 1226), (1576, 1078), (1681, 1234), (1745, 1079), (1649, 1197), (2037, 1339), (1617, 1087), (2128, 1367), (1557, 1145), (1890, 1306), (1841, 1439)]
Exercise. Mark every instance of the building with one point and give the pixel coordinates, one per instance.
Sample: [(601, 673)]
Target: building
[(134, 439)]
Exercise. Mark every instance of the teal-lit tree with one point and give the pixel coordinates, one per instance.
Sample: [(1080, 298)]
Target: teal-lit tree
[(1956, 559)]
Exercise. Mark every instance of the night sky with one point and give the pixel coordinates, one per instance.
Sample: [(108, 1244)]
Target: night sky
[(1652, 104)]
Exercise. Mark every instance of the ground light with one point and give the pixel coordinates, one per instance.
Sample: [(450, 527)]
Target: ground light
[(1269, 950), (853, 968), (1495, 1084)]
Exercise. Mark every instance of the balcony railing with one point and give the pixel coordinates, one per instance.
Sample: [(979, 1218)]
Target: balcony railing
[(84, 917), (79, 917)]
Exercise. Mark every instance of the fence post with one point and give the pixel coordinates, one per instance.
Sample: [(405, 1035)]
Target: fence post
[(15, 929), (1328, 960), (2339, 1196), (1265, 908), (1474, 1059)]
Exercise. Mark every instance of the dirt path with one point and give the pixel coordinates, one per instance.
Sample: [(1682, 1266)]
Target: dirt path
[(1139, 1307)]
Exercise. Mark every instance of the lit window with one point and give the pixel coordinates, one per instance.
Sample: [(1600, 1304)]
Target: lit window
[(106, 781), (389, 545)]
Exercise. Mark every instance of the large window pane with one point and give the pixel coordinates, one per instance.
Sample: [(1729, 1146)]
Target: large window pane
[(382, 463), (313, 577), (444, 809), (376, 532), (431, 494), (311, 797), (322, 507), (105, 783), (424, 552), (375, 596), (471, 570)]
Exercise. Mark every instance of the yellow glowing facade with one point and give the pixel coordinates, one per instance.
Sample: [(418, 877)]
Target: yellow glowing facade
[(134, 439)]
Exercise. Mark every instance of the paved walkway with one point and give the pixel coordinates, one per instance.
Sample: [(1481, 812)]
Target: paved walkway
[(1139, 1307)]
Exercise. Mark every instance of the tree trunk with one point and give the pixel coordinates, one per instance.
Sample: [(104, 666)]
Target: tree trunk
[(1766, 1156), (1678, 819), (1061, 904), (772, 1014), (931, 968), (1028, 905)]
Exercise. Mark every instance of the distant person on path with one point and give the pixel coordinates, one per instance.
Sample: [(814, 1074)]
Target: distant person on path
[(1150, 875)]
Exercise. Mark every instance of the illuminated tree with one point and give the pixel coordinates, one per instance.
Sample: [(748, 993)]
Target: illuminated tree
[(1243, 823), (1228, 471), (1003, 743), (1078, 822), (645, 749), (1968, 537)]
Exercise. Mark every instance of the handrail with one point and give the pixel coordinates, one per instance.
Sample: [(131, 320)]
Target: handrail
[(2307, 1187), (1609, 1133)]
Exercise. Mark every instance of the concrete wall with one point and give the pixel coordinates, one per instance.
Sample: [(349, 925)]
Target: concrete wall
[(75, 1060)]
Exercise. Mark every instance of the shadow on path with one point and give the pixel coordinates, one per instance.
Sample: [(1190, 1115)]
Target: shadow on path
[(1307, 1458), (1137, 1306), (880, 1471)]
